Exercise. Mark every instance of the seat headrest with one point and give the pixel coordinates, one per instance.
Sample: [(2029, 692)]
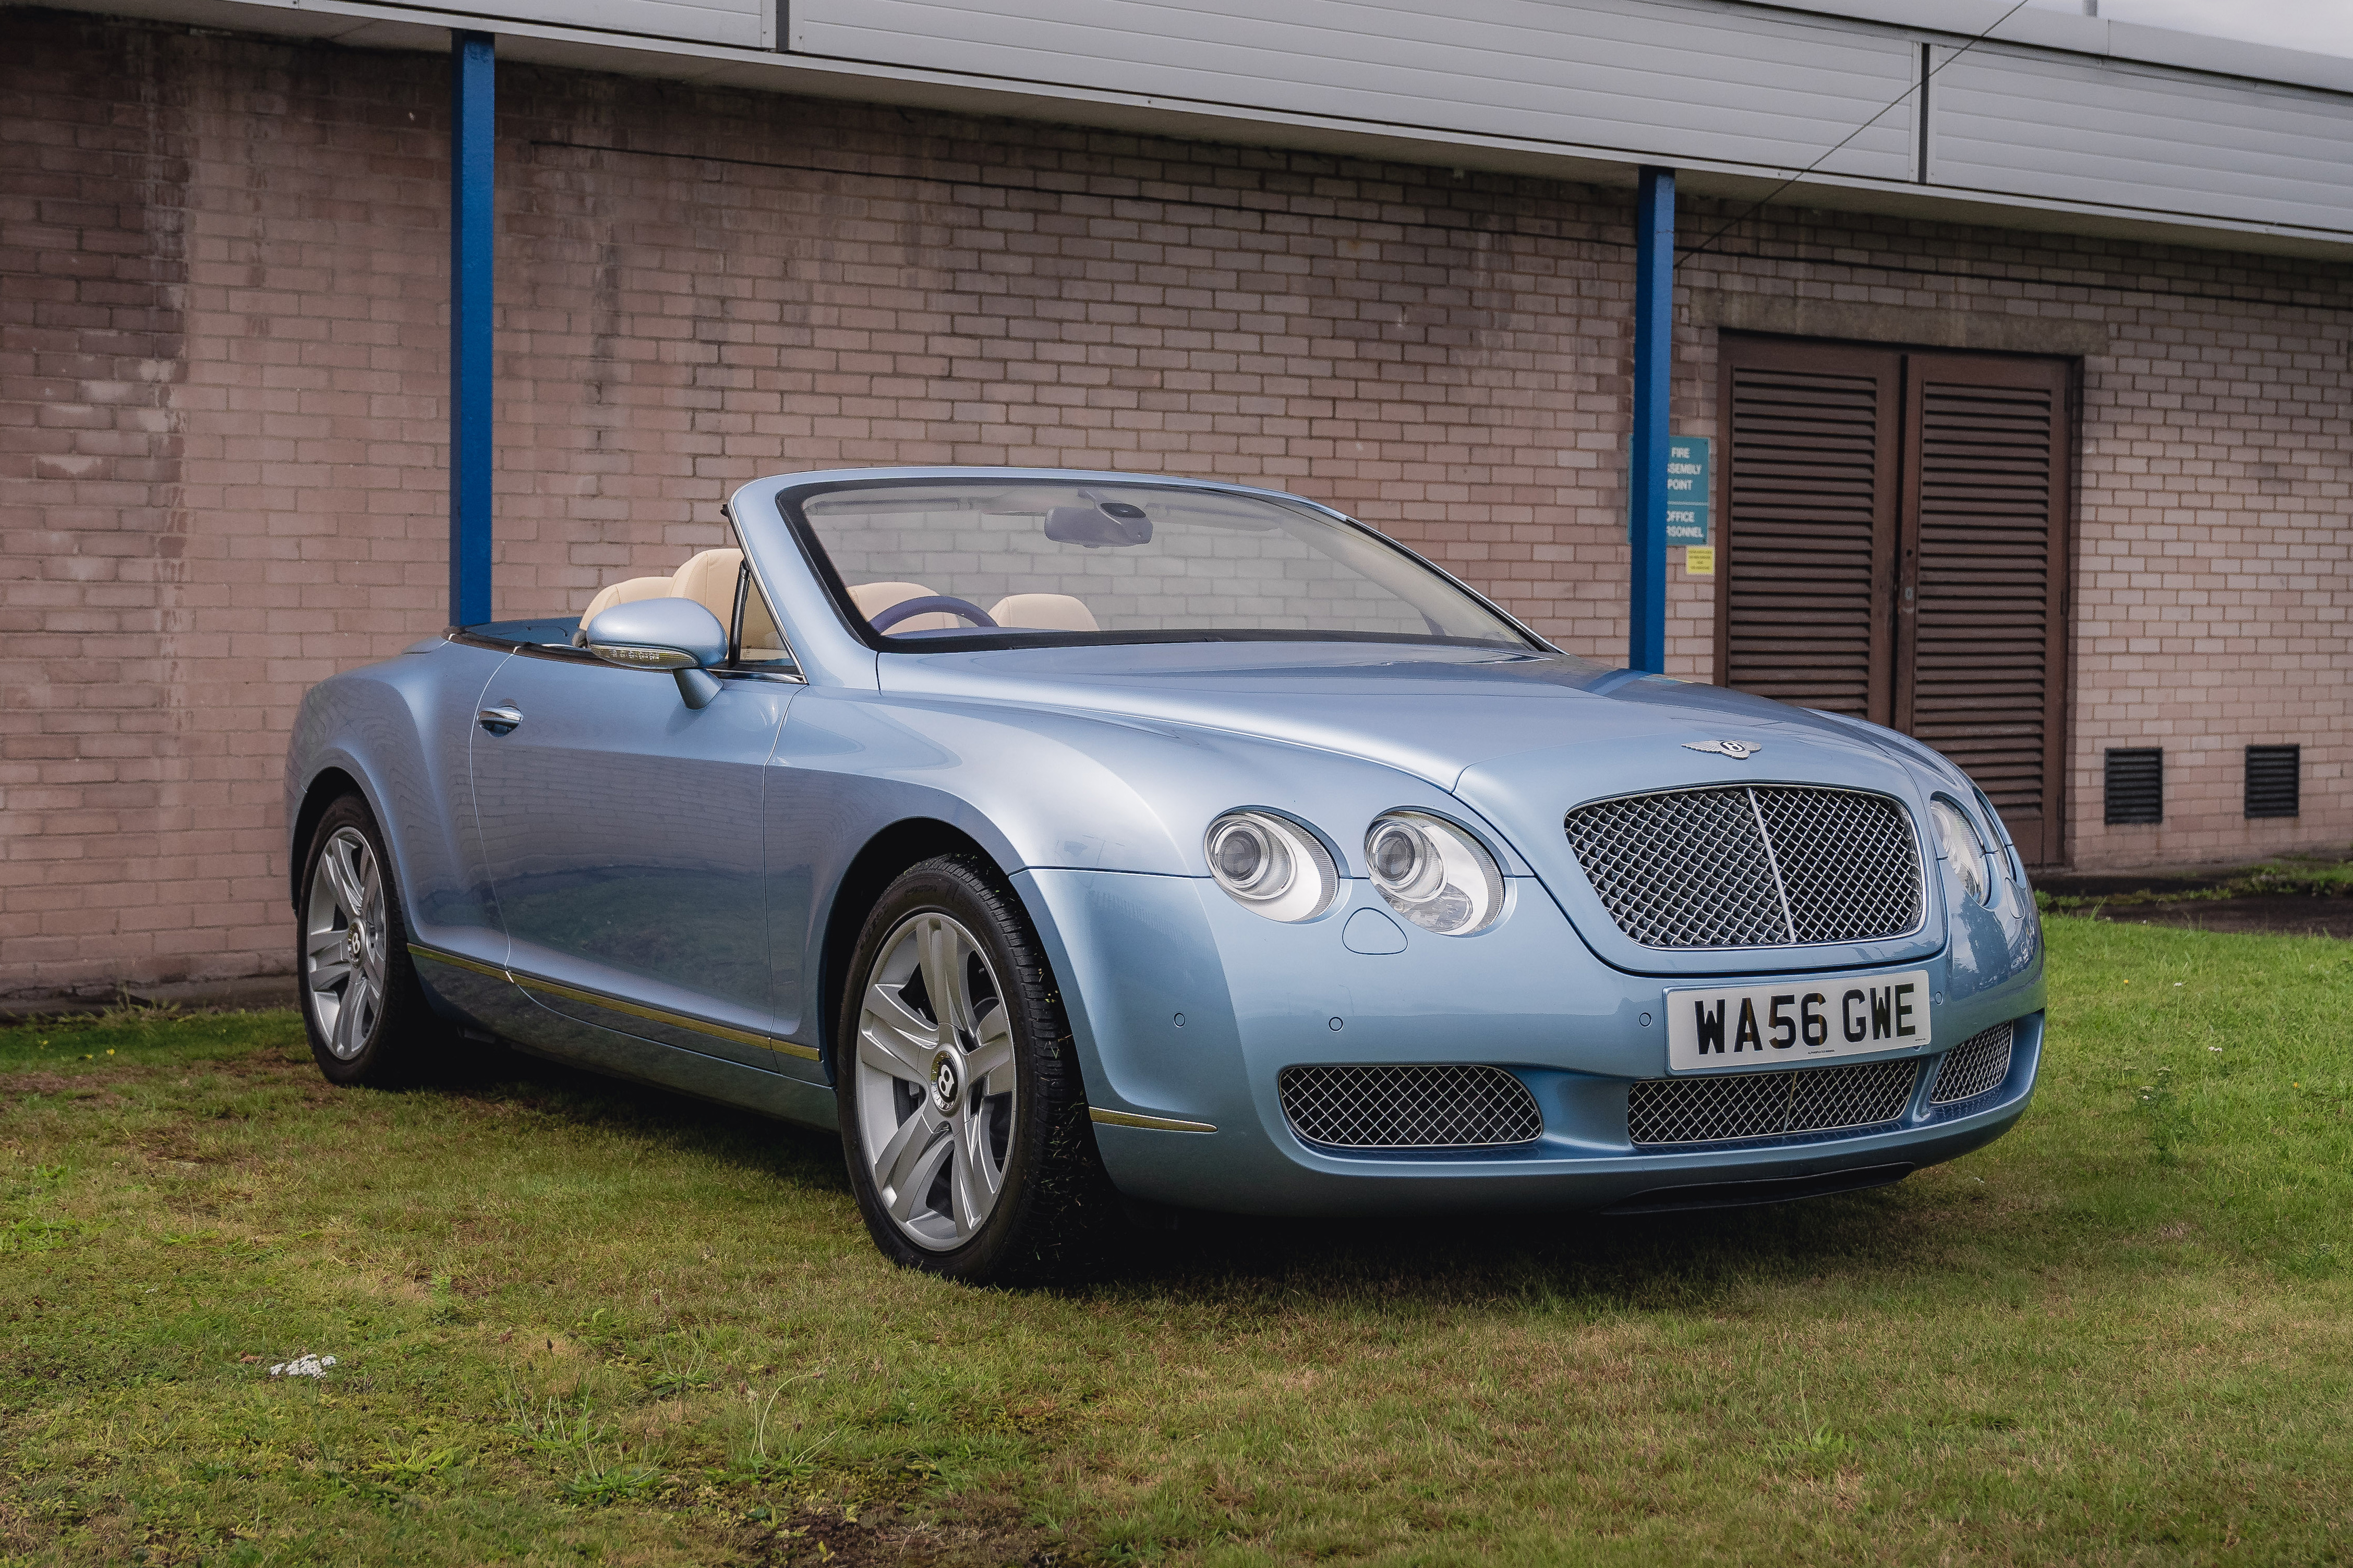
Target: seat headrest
[(709, 579), (626, 592), (1044, 612)]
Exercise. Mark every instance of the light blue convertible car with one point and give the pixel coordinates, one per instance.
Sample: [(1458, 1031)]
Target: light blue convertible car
[(1082, 845)]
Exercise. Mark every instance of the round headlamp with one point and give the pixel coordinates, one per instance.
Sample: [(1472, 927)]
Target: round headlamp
[(1433, 873), (1958, 842), (1270, 865)]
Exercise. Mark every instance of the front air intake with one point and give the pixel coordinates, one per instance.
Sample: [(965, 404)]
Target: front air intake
[(1752, 866), (1767, 1104), (1411, 1107), (1979, 1065)]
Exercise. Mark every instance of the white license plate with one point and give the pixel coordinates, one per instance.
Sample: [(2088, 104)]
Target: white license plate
[(1797, 1021)]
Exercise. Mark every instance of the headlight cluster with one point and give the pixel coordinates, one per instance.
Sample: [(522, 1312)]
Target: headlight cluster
[(1433, 873), (1274, 867), (1428, 870), (1958, 842)]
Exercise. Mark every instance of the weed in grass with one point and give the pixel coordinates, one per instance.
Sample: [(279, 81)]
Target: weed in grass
[(684, 1367), (608, 1479), (37, 1235), (417, 1465), (559, 1428)]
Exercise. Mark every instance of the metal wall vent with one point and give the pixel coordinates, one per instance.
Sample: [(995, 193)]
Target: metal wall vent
[(2136, 785), (2274, 781)]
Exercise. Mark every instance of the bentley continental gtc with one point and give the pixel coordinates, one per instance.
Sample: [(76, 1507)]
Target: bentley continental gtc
[(1080, 845)]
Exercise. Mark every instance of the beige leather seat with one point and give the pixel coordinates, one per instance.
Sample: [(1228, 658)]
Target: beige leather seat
[(1044, 612), (873, 598), (627, 591), (709, 579)]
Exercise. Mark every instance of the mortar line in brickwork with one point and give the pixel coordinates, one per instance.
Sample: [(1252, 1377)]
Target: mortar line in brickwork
[(953, 183)]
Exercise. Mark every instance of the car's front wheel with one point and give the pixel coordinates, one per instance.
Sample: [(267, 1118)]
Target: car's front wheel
[(963, 1117), (366, 1015)]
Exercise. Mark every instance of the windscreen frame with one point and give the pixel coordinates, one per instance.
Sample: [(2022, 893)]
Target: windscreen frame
[(820, 564)]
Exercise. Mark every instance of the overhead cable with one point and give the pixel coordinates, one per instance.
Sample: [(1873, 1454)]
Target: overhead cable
[(1920, 87)]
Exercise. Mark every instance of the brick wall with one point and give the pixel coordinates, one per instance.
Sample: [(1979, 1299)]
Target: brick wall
[(224, 352), (102, 766)]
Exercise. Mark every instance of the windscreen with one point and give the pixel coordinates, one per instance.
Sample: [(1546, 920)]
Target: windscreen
[(1006, 562)]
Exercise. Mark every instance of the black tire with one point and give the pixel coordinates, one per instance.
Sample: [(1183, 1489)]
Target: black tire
[(1053, 1206), (373, 1026)]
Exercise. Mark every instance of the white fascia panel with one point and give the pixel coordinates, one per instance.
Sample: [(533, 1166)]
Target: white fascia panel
[(743, 23), (1968, 190), (1662, 82), (2143, 138)]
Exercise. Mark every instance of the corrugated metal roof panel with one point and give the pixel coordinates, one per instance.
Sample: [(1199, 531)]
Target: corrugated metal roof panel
[(1662, 81), (2134, 136)]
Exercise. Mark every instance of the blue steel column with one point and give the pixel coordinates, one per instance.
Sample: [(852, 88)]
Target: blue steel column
[(1654, 348), (472, 105)]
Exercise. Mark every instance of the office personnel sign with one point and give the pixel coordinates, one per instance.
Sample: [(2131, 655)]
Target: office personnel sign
[(1689, 488)]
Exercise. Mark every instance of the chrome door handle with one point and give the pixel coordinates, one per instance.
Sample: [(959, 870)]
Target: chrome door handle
[(500, 719)]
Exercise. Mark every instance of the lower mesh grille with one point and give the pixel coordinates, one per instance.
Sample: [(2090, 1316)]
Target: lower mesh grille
[(1767, 1104), (1415, 1107), (1975, 1067)]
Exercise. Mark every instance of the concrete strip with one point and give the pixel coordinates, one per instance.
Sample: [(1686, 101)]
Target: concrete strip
[(1992, 331)]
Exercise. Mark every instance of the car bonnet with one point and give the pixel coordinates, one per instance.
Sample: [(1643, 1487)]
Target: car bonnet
[(1521, 740)]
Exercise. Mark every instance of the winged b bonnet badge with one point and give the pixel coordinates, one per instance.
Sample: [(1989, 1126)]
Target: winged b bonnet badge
[(1739, 750)]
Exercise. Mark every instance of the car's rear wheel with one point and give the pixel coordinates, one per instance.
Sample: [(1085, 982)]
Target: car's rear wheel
[(963, 1117), (366, 1015)]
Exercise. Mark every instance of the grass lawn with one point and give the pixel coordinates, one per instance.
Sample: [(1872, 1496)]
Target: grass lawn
[(577, 1323)]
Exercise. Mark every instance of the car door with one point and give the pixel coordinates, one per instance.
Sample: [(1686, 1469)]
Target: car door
[(621, 834)]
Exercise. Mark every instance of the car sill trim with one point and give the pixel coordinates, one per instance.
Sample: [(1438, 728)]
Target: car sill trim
[(458, 961), (620, 1004), (1154, 1123)]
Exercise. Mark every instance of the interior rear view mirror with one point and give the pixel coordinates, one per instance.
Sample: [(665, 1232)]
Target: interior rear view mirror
[(1113, 522)]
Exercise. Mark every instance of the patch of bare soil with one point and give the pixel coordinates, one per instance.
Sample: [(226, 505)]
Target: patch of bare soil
[(2296, 895), (72, 1086), (2267, 915)]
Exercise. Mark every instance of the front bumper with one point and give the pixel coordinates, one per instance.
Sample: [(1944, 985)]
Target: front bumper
[(1187, 1008)]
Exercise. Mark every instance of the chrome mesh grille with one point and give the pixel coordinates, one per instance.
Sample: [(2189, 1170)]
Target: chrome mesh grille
[(1847, 863), (1767, 1104), (1412, 1107), (1975, 1067), (1751, 866)]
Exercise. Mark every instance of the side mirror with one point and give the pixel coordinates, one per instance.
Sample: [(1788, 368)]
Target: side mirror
[(676, 635)]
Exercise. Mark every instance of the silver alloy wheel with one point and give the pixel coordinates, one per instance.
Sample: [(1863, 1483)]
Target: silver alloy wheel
[(936, 1097), (343, 943)]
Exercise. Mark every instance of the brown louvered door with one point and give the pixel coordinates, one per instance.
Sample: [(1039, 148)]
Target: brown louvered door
[(1979, 632), (1809, 535), (1892, 546)]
